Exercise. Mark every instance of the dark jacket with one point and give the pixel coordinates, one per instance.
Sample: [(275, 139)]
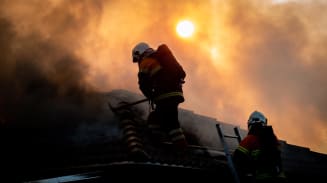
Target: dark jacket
[(156, 80)]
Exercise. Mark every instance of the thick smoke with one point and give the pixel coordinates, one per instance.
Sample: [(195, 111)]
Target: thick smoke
[(39, 81), (280, 57), (244, 56), (45, 91)]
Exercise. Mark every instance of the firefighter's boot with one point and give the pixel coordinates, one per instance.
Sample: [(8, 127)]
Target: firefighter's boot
[(178, 139)]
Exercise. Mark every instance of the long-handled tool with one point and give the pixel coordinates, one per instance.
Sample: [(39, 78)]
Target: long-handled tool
[(126, 105)]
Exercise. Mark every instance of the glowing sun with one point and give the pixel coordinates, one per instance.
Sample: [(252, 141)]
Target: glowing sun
[(185, 28)]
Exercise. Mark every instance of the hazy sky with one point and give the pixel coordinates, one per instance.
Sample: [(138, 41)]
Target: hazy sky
[(244, 55)]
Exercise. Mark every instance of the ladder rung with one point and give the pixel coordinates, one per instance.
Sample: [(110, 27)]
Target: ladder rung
[(231, 136)]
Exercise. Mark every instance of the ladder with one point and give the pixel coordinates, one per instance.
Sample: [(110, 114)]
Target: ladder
[(228, 154)]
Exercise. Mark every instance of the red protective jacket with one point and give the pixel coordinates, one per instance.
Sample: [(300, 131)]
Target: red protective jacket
[(258, 156)]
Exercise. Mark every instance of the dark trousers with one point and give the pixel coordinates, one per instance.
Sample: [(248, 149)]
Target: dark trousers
[(166, 113), (165, 119)]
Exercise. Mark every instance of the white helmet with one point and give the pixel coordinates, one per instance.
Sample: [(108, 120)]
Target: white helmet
[(139, 50), (257, 117)]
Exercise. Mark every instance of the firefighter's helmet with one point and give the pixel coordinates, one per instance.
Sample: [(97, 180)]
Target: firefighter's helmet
[(257, 117), (139, 51)]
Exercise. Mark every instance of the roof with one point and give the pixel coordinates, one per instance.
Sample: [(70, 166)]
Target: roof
[(94, 148)]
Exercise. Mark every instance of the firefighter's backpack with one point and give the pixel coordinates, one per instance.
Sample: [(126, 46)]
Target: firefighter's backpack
[(169, 63)]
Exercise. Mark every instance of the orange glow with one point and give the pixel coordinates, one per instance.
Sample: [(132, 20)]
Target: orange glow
[(240, 56)]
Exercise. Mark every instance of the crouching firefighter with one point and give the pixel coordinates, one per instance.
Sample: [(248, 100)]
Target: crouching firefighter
[(160, 79), (258, 156)]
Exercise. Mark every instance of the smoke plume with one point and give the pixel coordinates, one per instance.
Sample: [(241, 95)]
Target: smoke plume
[(244, 56), (44, 86)]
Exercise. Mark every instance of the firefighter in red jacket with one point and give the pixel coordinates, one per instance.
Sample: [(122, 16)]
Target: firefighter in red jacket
[(163, 86), (257, 158)]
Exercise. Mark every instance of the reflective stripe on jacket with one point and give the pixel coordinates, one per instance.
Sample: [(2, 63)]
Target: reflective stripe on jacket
[(167, 95)]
